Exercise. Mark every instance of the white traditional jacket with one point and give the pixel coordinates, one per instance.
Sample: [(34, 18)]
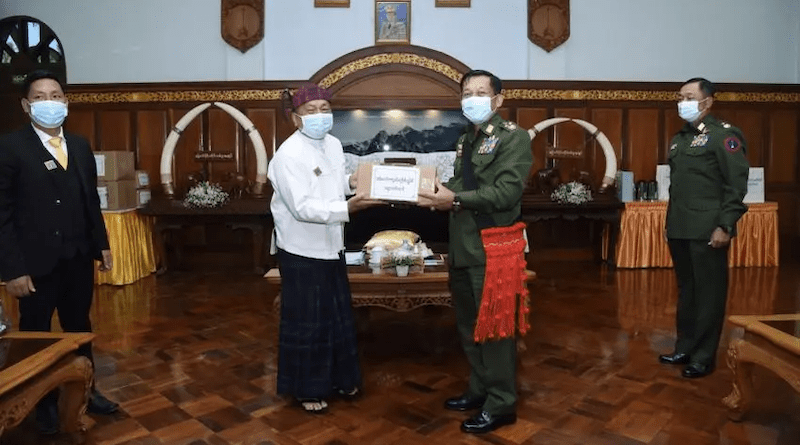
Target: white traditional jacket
[(309, 206)]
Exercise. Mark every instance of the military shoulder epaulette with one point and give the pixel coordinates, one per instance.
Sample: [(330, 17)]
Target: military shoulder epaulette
[(725, 124), (509, 126)]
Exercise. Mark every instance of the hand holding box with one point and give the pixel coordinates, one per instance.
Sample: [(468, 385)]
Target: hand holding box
[(395, 183)]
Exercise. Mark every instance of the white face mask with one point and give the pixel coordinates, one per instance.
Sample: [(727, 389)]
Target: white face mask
[(689, 110), (478, 109), (48, 113), (316, 126)]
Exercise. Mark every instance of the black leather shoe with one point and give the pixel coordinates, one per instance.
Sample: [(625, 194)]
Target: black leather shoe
[(98, 404), (464, 402), (676, 358), (483, 422), (697, 370), (47, 418)]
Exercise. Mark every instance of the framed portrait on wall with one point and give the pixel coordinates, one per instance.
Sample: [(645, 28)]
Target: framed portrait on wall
[(392, 22), (452, 3)]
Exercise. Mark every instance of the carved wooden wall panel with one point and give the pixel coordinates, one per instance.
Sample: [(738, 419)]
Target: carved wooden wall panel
[(223, 137), (527, 118), (152, 131), (572, 137), (82, 122), (114, 131), (672, 124), (781, 165), (403, 86), (641, 153)]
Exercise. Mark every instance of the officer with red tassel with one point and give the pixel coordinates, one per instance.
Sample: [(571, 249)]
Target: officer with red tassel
[(486, 254)]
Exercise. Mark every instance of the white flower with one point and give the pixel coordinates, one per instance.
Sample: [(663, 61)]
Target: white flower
[(572, 193), (206, 195)]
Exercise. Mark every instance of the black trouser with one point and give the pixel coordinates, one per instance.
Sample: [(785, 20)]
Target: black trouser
[(702, 274), (68, 288)]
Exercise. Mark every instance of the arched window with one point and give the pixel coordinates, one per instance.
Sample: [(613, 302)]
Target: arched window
[(27, 44)]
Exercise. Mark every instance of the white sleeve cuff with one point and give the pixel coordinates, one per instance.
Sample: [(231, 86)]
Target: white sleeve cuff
[(339, 211)]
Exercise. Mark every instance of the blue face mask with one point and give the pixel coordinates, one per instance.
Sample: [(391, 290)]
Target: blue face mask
[(478, 109), (689, 110), (316, 126), (48, 113)]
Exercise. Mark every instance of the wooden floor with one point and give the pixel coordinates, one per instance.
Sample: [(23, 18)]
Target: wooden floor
[(191, 357)]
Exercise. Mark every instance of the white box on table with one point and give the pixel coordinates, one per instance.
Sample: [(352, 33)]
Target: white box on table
[(625, 186), (755, 185), (662, 178)]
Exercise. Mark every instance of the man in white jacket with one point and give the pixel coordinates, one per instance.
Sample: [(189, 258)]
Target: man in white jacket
[(317, 355)]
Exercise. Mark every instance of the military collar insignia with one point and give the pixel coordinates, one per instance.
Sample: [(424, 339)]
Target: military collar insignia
[(50, 165), (700, 140), (702, 128), (460, 149), (732, 144), (489, 129), (488, 145)]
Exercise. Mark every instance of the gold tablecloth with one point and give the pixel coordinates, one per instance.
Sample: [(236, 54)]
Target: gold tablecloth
[(641, 237), (131, 238)]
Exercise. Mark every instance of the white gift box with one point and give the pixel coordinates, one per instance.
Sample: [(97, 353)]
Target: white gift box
[(662, 178), (625, 187), (755, 185)]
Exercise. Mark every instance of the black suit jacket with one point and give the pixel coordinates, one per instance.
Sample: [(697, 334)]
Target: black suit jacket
[(29, 231)]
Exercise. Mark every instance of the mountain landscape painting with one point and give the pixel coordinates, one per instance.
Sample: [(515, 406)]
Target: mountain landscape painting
[(364, 132)]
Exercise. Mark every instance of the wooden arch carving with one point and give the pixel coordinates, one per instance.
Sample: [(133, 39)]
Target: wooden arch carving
[(393, 76)]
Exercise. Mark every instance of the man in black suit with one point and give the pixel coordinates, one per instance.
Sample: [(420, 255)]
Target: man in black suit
[(51, 227)]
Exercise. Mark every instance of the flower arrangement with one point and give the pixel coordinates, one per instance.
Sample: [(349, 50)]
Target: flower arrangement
[(405, 260), (206, 195), (572, 193)]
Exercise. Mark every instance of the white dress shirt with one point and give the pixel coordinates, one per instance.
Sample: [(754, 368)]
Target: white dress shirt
[(309, 205), (46, 141)]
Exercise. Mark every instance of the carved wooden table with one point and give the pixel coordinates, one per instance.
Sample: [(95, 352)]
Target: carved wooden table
[(248, 213), (771, 341), (387, 290), (605, 210), (33, 364)]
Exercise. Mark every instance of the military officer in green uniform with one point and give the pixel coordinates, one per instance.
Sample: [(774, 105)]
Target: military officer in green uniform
[(708, 181), (493, 160)]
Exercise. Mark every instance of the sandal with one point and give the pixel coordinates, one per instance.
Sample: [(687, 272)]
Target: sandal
[(313, 406), (349, 395)]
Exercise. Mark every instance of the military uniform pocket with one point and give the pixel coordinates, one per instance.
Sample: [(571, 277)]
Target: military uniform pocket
[(482, 160)]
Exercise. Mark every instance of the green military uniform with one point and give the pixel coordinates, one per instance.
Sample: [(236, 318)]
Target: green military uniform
[(708, 180), (501, 159)]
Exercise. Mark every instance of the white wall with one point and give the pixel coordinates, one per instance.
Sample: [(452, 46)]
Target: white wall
[(626, 40)]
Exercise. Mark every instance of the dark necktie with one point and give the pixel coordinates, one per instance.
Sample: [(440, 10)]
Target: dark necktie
[(470, 183)]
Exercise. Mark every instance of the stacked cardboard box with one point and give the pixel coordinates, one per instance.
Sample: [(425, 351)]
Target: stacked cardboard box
[(116, 180), (142, 188)]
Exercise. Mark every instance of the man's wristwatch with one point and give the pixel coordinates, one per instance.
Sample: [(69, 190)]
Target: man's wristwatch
[(456, 204)]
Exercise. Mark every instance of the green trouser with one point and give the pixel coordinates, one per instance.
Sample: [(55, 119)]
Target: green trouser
[(702, 274), (493, 363)]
